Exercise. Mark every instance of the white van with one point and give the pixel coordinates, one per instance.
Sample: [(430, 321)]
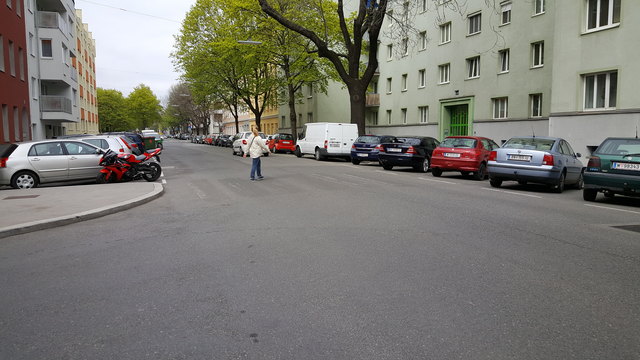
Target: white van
[(327, 140)]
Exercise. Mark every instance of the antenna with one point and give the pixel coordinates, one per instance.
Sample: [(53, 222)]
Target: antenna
[(636, 129), (533, 131)]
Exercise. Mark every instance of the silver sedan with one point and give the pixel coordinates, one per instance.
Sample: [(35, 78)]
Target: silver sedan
[(26, 165)]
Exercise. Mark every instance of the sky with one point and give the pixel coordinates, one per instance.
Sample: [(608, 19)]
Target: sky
[(134, 39)]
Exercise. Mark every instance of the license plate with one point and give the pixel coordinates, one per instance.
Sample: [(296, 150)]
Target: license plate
[(286, 142), (363, 155), (519, 157), (334, 145), (625, 166), (452, 155), (394, 150)]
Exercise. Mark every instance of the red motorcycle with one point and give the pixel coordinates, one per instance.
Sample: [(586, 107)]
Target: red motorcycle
[(127, 167)]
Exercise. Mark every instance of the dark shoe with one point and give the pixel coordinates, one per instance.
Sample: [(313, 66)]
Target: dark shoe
[(252, 179), (260, 177)]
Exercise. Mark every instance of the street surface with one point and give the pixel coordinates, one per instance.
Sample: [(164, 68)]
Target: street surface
[(327, 260)]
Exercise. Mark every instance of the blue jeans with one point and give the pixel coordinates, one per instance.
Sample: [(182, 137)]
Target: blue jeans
[(255, 167)]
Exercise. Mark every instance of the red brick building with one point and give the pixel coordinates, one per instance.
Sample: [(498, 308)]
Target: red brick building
[(14, 86)]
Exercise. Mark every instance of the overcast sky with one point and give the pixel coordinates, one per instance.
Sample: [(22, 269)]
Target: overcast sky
[(133, 41)]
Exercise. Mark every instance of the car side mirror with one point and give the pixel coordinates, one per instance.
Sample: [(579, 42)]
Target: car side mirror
[(100, 151), (578, 155)]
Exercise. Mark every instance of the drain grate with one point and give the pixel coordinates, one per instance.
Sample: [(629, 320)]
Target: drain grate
[(634, 228), (21, 197)]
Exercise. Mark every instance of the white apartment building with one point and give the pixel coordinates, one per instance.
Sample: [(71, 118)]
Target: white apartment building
[(543, 67)]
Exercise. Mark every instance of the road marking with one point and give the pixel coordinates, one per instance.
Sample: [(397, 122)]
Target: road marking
[(610, 208), (386, 172), (164, 182), (439, 181), (168, 167), (514, 193)]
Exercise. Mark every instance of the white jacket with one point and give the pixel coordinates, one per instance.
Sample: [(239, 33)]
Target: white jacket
[(255, 146)]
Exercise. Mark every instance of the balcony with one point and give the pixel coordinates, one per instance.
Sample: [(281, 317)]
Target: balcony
[(50, 103), (52, 20), (372, 100)]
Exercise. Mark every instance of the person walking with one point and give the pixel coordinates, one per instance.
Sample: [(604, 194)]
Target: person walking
[(255, 148)]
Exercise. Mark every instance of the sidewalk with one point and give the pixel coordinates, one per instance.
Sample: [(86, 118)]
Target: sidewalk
[(23, 211)]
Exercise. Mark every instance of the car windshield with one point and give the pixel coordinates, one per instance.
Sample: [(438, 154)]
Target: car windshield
[(368, 139), (529, 144), (286, 137), (409, 141), (619, 147), (458, 143)]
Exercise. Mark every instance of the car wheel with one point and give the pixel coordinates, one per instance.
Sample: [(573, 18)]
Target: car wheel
[(580, 183), (387, 167), (437, 172), (589, 194), (154, 173), (355, 162), (297, 152), (425, 165), (233, 150), (318, 156), (496, 183), (559, 187), (24, 180), (481, 173), (273, 149), (266, 154)]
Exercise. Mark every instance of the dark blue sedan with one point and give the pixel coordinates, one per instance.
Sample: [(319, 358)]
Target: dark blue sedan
[(367, 147)]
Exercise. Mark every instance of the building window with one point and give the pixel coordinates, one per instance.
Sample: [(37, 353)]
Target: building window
[(309, 90), (32, 49), (373, 118), (537, 52), (602, 13), (536, 105), (34, 88), (506, 13), (423, 5), (423, 112), (19, 7), (475, 23), (405, 47), (309, 118), (404, 82), (1, 53), (500, 108), (504, 60), (283, 119), (389, 117), (47, 49), (21, 63), (404, 115), (12, 59), (473, 67), (5, 122), (422, 78), (444, 73), (600, 90), (9, 4), (390, 17), (389, 52), (538, 7), (445, 33), (422, 37), (388, 85)]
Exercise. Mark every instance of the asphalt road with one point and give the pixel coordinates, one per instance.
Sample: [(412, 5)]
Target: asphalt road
[(327, 260)]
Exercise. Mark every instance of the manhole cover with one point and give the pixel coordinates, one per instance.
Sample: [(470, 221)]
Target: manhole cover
[(21, 197), (634, 228)]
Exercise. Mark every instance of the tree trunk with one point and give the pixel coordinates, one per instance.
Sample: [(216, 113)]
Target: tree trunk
[(292, 112), (358, 96)]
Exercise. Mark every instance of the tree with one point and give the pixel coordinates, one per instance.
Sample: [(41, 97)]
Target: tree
[(113, 111), (144, 108), (196, 108), (344, 55)]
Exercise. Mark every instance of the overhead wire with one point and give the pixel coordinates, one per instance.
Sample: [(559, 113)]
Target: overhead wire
[(130, 11)]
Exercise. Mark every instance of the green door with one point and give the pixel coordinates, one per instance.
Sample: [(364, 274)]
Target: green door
[(459, 124)]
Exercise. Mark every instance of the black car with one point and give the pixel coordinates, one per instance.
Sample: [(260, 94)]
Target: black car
[(366, 147), (414, 151), (224, 141)]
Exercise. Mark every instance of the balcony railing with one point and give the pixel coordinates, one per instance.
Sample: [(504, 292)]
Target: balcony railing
[(49, 103), (372, 100), (52, 20)]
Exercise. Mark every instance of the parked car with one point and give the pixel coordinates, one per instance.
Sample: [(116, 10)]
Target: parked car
[(466, 154), (240, 141), (157, 139), (224, 140), (365, 148), (26, 165), (105, 142), (327, 140), (282, 142), (614, 168), (268, 139), (545, 160), (136, 138), (414, 151)]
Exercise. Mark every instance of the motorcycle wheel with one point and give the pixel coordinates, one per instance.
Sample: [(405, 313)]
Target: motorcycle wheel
[(154, 173), (102, 178)]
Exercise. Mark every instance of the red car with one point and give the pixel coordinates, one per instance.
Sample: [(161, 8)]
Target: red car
[(467, 154), (282, 142)]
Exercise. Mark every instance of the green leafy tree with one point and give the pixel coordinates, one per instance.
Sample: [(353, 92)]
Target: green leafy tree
[(112, 108), (144, 108)]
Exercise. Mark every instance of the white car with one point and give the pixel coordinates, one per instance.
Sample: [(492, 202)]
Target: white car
[(240, 140), (327, 140), (104, 142)]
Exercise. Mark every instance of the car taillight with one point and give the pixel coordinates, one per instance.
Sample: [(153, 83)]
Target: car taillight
[(380, 148), (594, 164), (547, 160), (493, 156), (411, 150), (244, 142), (353, 146), (3, 162), (326, 144)]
